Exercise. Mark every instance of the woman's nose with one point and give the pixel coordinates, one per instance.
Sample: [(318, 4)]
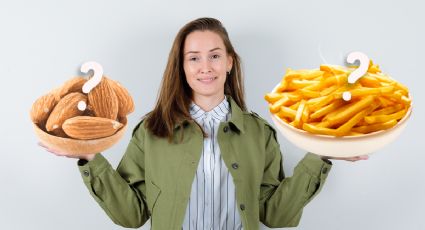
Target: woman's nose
[(205, 66)]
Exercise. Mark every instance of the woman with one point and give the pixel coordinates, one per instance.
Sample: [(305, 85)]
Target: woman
[(199, 160)]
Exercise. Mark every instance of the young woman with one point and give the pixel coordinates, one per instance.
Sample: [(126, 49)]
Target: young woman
[(199, 160)]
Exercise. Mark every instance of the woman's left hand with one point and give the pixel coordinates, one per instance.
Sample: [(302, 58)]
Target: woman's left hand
[(352, 159)]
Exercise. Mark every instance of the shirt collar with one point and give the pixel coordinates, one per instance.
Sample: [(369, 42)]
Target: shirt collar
[(237, 115), (218, 113)]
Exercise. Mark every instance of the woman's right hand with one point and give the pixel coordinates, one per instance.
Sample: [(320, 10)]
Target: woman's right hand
[(87, 157)]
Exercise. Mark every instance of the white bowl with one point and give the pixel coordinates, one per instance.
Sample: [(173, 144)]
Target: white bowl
[(348, 146)]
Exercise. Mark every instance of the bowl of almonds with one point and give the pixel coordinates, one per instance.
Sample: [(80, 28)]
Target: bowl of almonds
[(61, 125)]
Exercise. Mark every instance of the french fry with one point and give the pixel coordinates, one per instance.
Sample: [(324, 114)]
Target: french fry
[(311, 100), (273, 97), (375, 127), (373, 68), (297, 84), (306, 114), (319, 130), (384, 118), (369, 81), (353, 133), (287, 112), (388, 110), (403, 88), (340, 109), (346, 127), (283, 85), (333, 69), (382, 77), (322, 102), (371, 91), (309, 94), (350, 111), (297, 120), (295, 106), (294, 96), (385, 102), (274, 108), (328, 90), (327, 109)]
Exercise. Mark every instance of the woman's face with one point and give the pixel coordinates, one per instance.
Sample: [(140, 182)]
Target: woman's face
[(205, 63)]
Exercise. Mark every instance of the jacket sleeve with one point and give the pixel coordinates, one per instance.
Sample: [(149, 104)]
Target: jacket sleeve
[(121, 192), (282, 199)]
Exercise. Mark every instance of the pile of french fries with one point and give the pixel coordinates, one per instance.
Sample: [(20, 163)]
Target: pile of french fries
[(311, 100)]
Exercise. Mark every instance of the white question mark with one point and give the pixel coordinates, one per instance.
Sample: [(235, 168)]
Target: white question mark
[(92, 82), (357, 73)]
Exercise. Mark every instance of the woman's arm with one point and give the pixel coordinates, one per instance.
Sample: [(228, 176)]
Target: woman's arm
[(282, 199), (119, 192)]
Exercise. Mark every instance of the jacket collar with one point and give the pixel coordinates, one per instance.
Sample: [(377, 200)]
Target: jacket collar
[(237, 115), (236, 118)]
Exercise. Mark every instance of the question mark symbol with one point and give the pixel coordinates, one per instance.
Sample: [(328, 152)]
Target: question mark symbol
[(357, 73), (92, 82)]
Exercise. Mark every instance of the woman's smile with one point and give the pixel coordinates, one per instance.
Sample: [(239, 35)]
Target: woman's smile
[(206, 80)]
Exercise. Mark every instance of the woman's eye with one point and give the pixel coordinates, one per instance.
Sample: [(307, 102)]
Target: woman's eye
[(193, 59), (215, 56)]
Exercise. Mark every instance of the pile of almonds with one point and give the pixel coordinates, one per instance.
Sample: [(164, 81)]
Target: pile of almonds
[(108, 104)]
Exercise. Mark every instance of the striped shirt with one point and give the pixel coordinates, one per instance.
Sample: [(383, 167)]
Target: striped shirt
[(212, 202)]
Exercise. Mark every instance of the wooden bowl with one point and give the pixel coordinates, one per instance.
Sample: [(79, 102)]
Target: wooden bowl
[(79, 147)]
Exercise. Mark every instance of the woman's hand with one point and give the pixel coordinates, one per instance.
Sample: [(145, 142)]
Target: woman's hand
[(352, 159), (87, 157)]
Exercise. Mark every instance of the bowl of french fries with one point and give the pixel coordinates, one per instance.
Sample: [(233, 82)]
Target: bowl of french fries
[(307, 107)]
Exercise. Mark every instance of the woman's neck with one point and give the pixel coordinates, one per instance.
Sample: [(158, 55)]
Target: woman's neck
[(207, 103)]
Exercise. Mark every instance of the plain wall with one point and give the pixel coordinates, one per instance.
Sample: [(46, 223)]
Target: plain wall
[(43, 44)]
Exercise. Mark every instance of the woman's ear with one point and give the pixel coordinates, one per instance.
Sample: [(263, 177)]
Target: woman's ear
[(229, 63)]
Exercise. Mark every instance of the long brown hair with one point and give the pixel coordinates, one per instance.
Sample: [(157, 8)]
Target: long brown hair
[(175, 95)]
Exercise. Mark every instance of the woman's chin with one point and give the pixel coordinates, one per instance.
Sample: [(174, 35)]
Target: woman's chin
[(209, 93)]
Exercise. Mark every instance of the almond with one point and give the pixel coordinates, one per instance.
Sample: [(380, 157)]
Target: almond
[(86, 128), (125, 101), (103, 100), (66, 108), (59, 132), (73, 85), (42, 108)]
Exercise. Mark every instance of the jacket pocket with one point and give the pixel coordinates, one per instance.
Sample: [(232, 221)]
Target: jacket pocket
[(152, 195)]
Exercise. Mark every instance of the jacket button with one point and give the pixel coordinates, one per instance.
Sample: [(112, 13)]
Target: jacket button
[(242, 206), (86, 173), (324, 170), (225, 129), (235, 165)]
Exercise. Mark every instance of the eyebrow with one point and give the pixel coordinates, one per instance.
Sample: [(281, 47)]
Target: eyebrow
[(211, 50)]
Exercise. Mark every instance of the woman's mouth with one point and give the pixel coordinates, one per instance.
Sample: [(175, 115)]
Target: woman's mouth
[(207, 79)]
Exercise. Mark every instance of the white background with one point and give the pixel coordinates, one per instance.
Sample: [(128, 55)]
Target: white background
[(43, 44)]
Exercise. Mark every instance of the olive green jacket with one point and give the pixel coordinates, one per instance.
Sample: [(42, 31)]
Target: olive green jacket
[(154, 178)]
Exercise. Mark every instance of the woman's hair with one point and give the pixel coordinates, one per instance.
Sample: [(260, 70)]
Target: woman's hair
[(175, 95)]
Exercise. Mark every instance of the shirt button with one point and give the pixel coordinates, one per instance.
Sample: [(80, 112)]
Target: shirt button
[(324, 170), (225, 129), (86, 173), (242, 206), (235, 165)]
